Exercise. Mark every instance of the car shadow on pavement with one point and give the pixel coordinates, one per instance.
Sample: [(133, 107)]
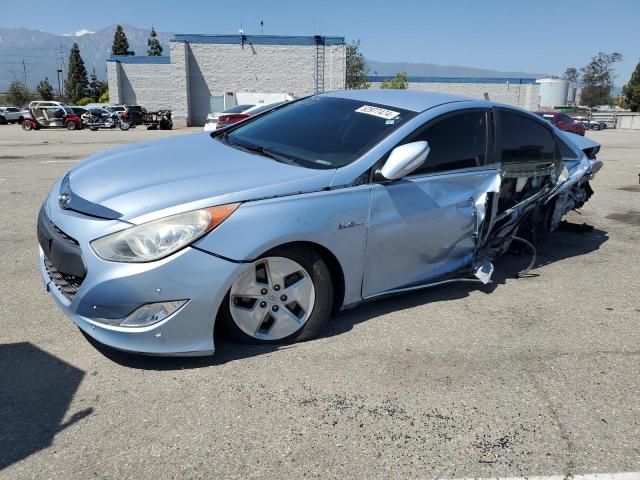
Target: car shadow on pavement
[(569, 241), (36, 389)]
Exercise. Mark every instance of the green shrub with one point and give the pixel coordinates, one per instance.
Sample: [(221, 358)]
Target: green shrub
[(84, 101)]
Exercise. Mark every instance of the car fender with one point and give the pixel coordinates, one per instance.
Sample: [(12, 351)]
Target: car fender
[(334, 219)]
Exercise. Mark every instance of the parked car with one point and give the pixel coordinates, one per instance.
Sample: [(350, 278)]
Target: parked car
[(591, 124), (10, 115), (211, 121), (267, 226), (564, 122), (135, 115), (231, 118), (47, 114)]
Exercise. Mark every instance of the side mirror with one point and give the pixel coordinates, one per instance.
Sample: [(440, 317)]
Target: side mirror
[(403, 160)]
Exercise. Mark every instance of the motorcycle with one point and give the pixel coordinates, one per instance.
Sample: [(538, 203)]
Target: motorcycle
[(160, 120), (97, 118)]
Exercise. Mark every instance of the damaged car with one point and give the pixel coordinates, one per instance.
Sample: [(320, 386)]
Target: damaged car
[(262, 229)]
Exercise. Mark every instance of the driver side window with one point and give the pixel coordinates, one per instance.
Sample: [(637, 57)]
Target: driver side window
[(456, 141)]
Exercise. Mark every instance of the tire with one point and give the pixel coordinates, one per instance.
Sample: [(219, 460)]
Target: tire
[(3, 120), (275, 318), (93, 129), (596, 127), (26, 126), (72, 126), (124, 126)]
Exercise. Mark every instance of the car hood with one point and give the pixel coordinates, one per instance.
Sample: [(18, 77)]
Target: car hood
[(151, 179)]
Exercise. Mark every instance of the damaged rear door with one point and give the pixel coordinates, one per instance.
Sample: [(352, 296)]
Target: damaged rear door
[(426, 225)]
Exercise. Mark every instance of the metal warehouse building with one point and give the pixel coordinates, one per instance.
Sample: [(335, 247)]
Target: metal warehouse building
[(204, 73)]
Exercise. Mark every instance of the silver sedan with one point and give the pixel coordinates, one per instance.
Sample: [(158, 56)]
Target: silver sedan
[(269, 226)]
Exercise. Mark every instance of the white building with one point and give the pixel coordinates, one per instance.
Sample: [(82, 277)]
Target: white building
[(205, 73)]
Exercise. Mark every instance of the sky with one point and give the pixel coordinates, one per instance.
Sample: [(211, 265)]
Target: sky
[(536, 36)]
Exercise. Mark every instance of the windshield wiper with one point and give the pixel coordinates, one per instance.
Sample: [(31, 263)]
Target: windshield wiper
[(265, 152)]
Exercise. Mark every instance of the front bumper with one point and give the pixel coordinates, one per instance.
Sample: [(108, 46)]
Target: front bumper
[(113, 290)]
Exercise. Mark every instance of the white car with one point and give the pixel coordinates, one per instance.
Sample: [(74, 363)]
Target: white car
[(591, 124), (211, 122), (10, 115)]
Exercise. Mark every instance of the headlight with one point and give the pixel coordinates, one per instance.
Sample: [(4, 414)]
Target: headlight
[(160, 238)]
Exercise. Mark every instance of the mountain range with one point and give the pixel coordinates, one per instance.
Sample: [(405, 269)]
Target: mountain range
[(42, 53)]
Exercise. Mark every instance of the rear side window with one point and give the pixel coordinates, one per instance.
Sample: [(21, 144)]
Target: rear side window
[(455, 142), (524, 140), (565, 151)]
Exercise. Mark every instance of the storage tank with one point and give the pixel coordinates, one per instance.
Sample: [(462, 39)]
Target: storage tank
[(554, 92)]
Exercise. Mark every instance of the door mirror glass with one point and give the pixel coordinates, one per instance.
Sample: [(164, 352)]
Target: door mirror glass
[(403, 160)]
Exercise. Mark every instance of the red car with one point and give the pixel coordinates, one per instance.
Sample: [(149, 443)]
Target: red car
[(564, 122), (230, 118)]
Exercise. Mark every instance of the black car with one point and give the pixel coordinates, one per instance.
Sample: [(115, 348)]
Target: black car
[(135, 114)]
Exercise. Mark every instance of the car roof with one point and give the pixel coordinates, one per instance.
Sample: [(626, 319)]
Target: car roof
[(414, 100)]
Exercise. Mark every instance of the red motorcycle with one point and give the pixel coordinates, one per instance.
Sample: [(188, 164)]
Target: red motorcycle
[(44, 114)]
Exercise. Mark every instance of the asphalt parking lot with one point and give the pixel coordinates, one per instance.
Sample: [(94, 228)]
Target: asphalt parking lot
[(534, 376)]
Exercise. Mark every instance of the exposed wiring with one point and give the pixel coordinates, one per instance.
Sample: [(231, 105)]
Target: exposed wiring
[(534, 256)]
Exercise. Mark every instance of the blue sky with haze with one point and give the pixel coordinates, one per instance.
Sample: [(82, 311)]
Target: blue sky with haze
[(541, 36)]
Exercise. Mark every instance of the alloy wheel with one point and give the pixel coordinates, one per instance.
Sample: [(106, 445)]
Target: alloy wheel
[(272, 299)]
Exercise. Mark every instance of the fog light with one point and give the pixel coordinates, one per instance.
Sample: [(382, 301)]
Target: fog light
[(146, 314)]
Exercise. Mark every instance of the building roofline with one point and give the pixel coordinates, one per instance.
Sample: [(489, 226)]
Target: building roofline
[(140, 59), (238, 39)]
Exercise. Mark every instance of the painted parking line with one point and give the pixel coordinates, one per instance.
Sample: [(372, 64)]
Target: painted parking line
[(590, 476), (59, 161)]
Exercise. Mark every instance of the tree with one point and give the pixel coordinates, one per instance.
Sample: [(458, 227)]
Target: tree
[(357, 70), (96, 87), (120, 43), (104, 98), (398, 83), (18, 94), (77, 85), (155, 49), (597, 79), (45, 89), (572, 75), (631, 90)]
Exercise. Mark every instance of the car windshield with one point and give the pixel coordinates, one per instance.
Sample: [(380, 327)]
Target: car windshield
[(239, 108), (319, 132)]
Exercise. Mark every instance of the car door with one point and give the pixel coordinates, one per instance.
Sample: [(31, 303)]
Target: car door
[(425, 225)]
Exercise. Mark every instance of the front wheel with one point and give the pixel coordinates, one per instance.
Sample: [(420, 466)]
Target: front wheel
[(285, 296), (596, 127), (124, 126), (26, 126), (72, 125)]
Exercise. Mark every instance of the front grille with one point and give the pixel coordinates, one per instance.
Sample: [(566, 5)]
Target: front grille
[(67, 284)]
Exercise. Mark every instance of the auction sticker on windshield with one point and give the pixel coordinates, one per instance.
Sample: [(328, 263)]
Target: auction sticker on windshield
[(378, 112)]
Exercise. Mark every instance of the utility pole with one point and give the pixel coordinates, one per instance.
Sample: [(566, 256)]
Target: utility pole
[(61, 70), (24, 69), (59, 84)]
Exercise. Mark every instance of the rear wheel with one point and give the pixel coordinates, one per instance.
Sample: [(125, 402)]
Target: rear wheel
[(26, 125), (596, 127), (72, 125), (124, 126), (3, 120), (286, 296)]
